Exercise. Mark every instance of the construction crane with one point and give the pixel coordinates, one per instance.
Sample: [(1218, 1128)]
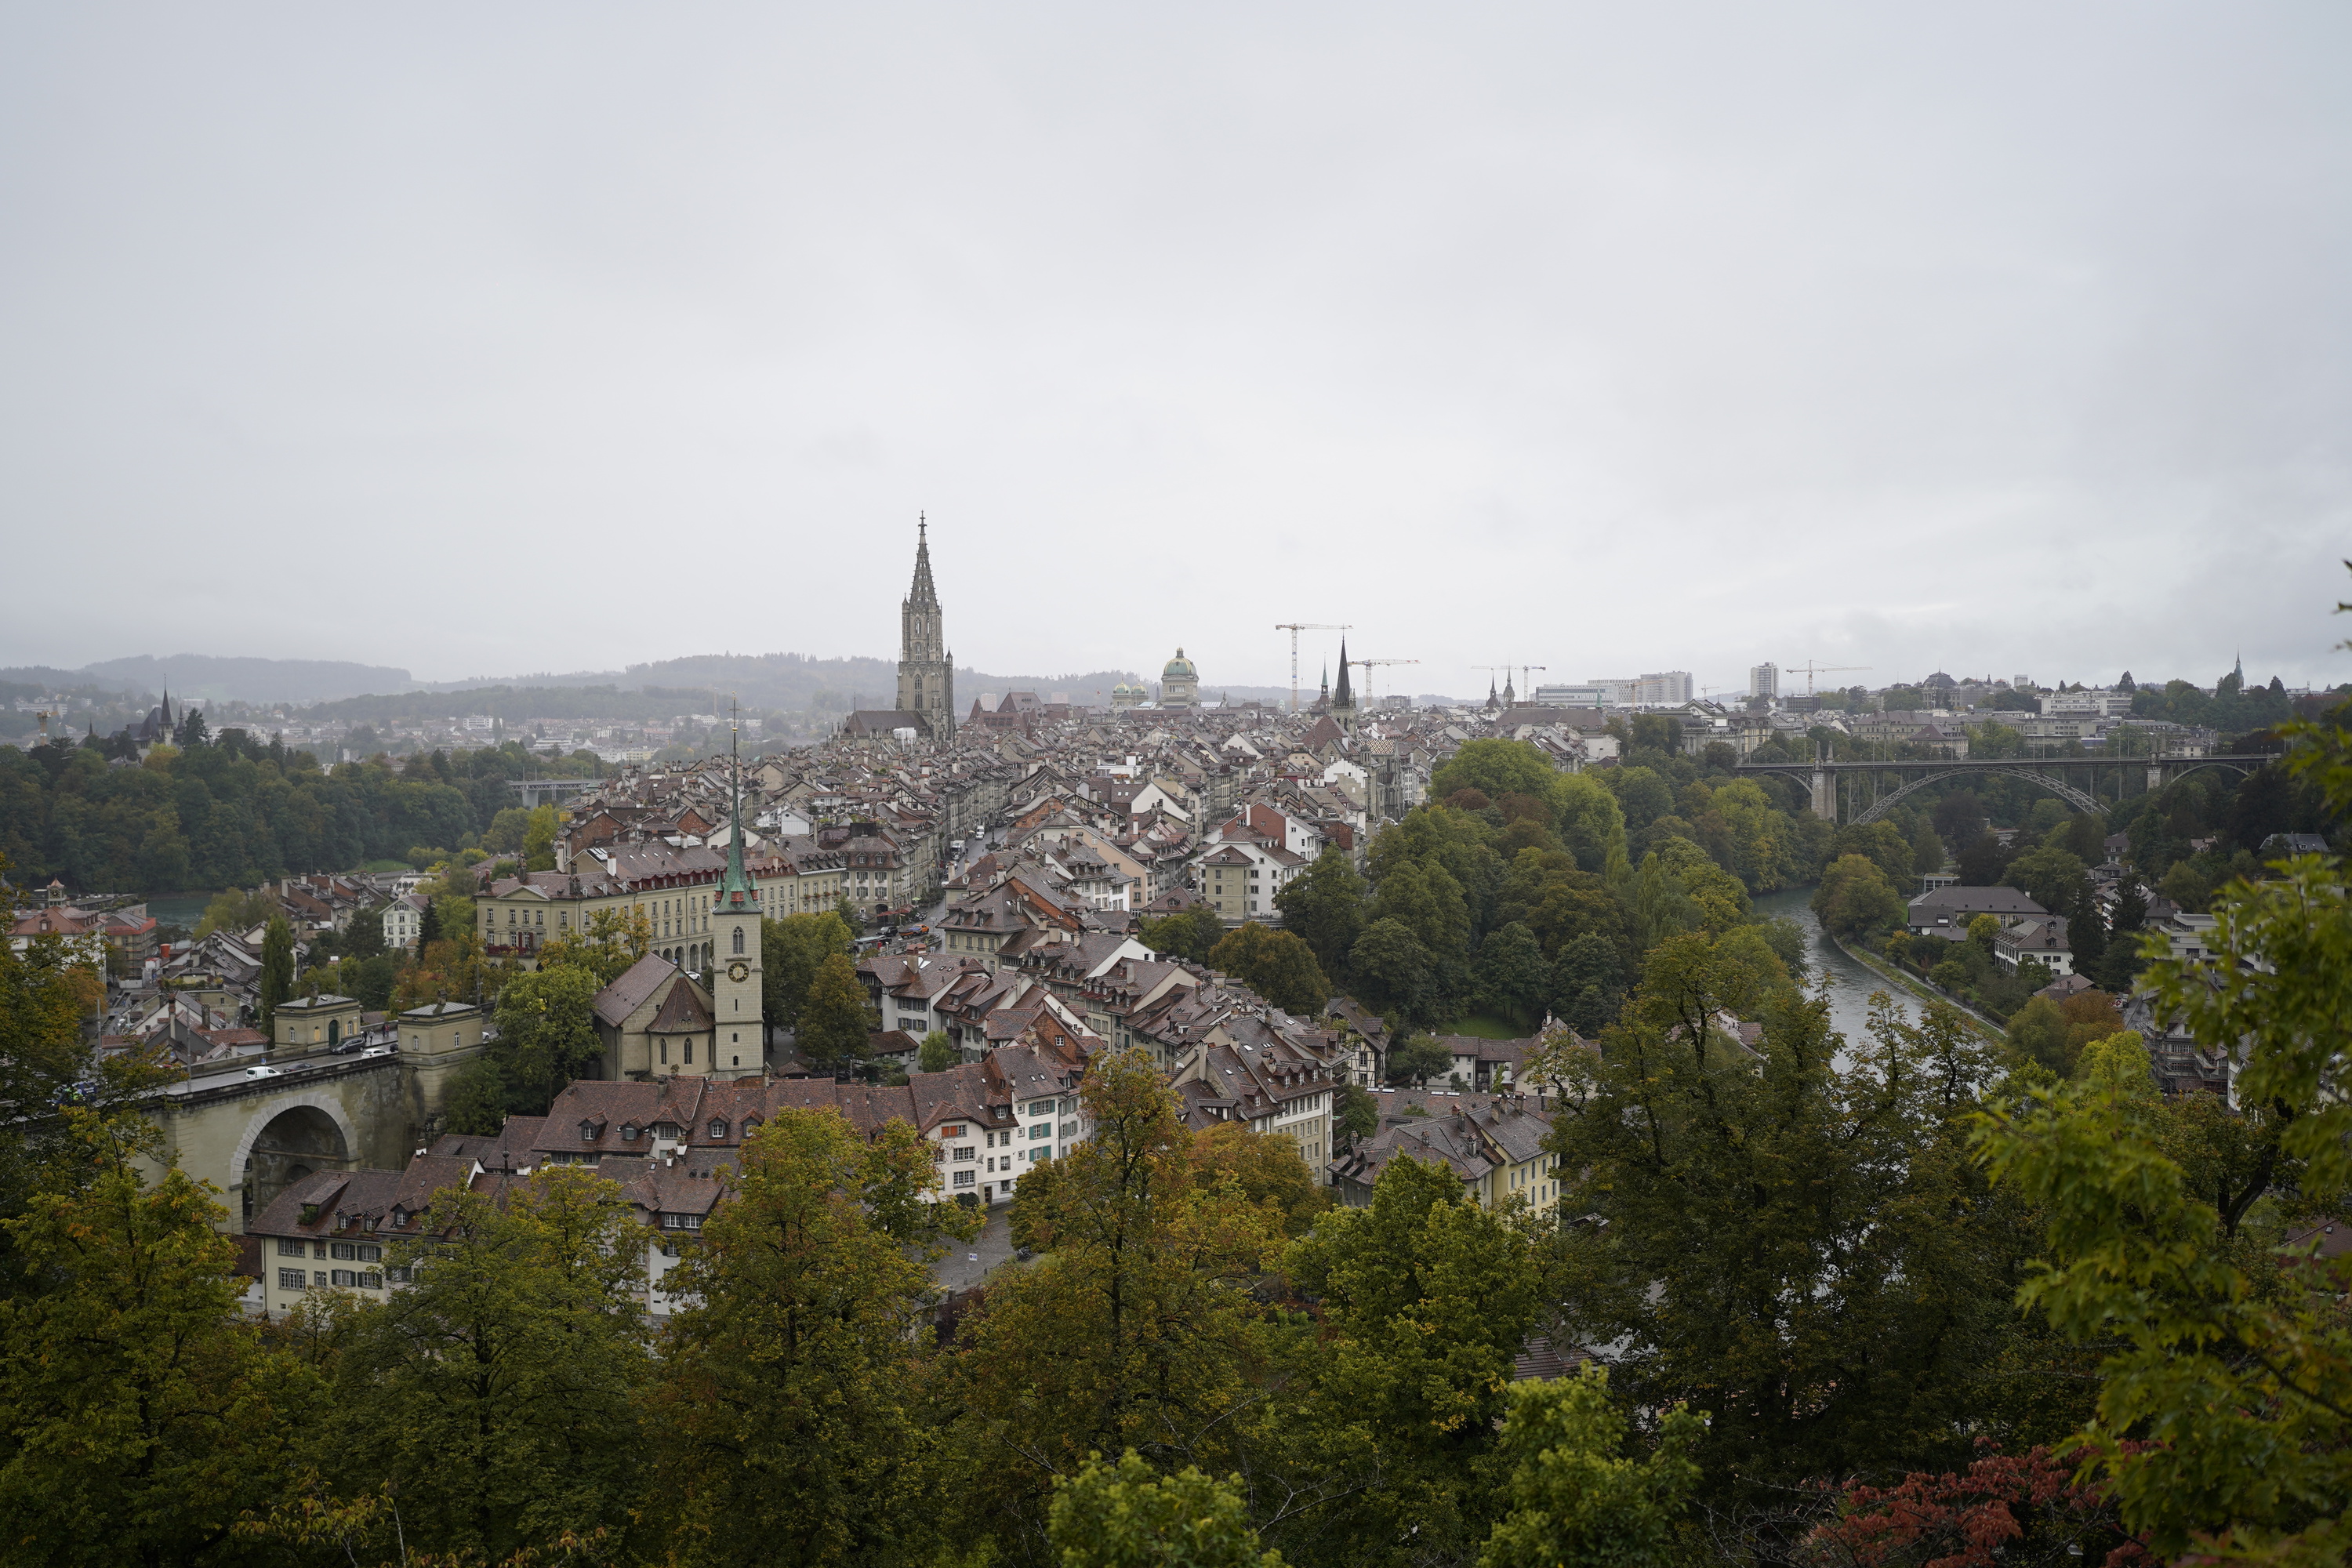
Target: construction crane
[(1811, 670), (1490, 669), (1367, 664), (1293, 628), (1527, 692)]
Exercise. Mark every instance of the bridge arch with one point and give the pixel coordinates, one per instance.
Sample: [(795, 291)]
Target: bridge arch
[(285, 1139), (2078, 799)]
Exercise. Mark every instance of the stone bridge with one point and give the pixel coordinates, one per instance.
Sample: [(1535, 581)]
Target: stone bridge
[(1856, 792), (251, 1137)]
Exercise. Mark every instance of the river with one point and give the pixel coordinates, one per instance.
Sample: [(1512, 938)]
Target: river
[(1849, 983)]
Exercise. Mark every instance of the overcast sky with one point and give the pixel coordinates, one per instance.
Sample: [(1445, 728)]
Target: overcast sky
[(487, 339)]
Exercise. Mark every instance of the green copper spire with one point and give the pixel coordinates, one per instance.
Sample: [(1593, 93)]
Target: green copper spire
[(737, 888)]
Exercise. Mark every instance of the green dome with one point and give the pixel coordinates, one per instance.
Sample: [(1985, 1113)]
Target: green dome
[(1179, 668)]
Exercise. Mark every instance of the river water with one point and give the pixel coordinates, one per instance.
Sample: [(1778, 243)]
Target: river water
[(1849, 983)]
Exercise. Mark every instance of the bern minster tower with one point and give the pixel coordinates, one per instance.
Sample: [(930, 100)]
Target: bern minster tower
[(925, 668)]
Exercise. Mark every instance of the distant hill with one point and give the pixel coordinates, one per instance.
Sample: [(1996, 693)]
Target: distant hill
[(695, 683)]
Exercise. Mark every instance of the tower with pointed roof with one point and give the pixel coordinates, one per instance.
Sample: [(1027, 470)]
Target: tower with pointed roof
[(926, 668), (737, 989), (1343, 695)]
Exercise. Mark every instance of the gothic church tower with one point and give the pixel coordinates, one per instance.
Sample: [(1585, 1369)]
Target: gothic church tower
[(739, 987), (926, 668)]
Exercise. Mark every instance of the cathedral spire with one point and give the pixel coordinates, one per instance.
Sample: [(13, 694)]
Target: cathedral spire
[(1343, 695), (922, 596)]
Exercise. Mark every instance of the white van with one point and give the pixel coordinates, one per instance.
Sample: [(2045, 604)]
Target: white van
[(265, 1072)]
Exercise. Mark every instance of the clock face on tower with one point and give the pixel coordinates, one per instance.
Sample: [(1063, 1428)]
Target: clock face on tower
[(739, 972)]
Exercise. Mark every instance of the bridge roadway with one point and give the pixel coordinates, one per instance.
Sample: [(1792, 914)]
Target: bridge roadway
[(253, 1136), (1823, 777)]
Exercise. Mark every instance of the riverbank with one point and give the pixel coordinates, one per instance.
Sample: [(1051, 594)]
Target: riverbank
[(1991, 1028)]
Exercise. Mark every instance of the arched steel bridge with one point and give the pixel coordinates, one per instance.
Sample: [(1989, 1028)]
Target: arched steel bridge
[(2059, 775)]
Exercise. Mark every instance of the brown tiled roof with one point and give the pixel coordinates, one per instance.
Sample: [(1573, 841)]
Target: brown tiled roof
[(682, 1012), (629, 991)]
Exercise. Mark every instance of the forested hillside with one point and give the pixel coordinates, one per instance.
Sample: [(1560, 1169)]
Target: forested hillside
[(232, 810)]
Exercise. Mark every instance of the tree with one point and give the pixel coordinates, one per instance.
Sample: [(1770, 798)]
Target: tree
[(1576, 1497), (236, 912), (143, 1413), (604, 947), (547, 1033), (1495, 767), (1794, 1229), (1355, 1114), (792, 949), (1854, 901), (428, 926), (1392, 969), (1426, 1297), (276, 970), (1882, 844), (498, 1395), (2037, 1032), (1192, 934), (2050, 877), (1588, 985), (539, 839), (835, 1023), (1590, 823), (1129, 1516), (1325, 905), (478, 1101), (937, 1053), (1415, 1060), (1132, 1331), (1512, 977), (785, 1416), (1264, 1168), (1276, 965), (1982, 862)]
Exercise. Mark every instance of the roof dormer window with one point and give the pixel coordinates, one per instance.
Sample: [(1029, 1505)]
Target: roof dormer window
[(718, 1127), (629, 1130)]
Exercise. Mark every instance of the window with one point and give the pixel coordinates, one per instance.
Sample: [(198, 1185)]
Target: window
[(629, 1130), (965, 1178), (341, 1250), (739, 939), (370, 1280), (1041, 1130), (673, 1222), (967, 1153), (665, 1052), (292, 1280), (587, 1132), (399, 1275), (292, 1248), (953, 1130), (689, 1052), (1069, 1130), (370, 1254), (718, 1128), (1041, 1154), (346, 1276)]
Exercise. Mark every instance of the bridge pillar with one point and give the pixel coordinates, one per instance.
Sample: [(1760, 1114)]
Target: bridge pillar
[(1824, 795), (2155, 778)]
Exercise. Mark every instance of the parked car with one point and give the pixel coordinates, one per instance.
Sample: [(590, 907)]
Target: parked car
[(265, 1072)]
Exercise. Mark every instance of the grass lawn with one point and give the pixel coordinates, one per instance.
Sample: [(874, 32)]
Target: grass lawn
[(387, 865), (1483, 1027)]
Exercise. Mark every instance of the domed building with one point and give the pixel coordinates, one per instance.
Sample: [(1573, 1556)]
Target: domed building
[(1180, 683), (1129, 694)]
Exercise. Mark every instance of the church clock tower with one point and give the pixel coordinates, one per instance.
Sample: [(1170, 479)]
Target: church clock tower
[(926, 668), (737, 989)]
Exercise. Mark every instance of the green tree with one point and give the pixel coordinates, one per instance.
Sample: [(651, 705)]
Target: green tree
[(2050, 877), (504, 834), (1588, 985), (836, 1024), (605, 946), (547, 1033), (236, 912), (1264, 1168), (785, 1419), (792, 949), (1276, 965), (2221, 1418), (478, 1101), (498, 1395), (1883, 845), (1512, 977), (141, 1411), (1392, 969), (364, 937), (1803, 1240), (1129, 1516), (1576, 1497), (1496, 768), (1415, 1060), (2037, 1032), (1426, 1297), (937, 1053), (1854, 901), (1190, 934), (1132, 1331), (1325, 905), (276, 970), (1590, 823), (1355, 1113), (539, 839)]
